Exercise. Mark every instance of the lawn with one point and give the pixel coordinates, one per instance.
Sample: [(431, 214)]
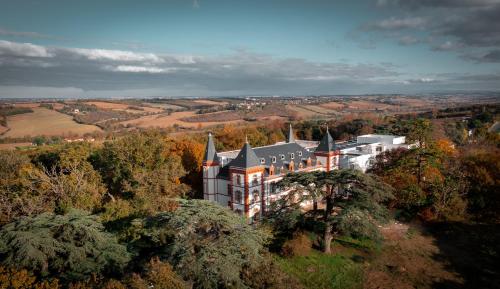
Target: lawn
[(321, 271)]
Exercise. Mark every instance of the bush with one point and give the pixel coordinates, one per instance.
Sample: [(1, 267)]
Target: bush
[(300, 245)]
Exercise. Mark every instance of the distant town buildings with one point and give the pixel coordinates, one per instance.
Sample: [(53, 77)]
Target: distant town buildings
[(245, 180)]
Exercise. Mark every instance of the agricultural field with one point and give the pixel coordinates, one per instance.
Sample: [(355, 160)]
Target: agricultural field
[(125, 107), (333, 105), (164, 105), (301, 112), (320, 109), (210, 102), (370, 105), (47, 122), (175, 118)]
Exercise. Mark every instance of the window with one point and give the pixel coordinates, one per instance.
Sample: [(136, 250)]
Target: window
[(262, 161), (274, 159), (273, 188), (255, 180), (300, 154), (379, 149), (282, 157), (292, 156), (238, 179), (256, 195), (238, 197)]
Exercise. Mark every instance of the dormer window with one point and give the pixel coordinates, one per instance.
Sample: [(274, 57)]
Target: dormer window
[(300, 153), (282, 157), (292, 156), (262, 160), (274, 160)]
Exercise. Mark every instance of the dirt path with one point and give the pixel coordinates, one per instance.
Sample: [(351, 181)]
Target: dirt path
[(409, 260)]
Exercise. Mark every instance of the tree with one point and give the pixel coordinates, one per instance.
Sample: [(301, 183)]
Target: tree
[(16, 197), (158, 275), (205, 243), (140, 169), (354, 193), (482, 171), (11, 278), (71, 246)]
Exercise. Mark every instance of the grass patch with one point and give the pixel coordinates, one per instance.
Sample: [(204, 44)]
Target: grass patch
[(322, 271)]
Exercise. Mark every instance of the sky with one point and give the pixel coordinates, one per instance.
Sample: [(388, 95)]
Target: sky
[(131, 48)]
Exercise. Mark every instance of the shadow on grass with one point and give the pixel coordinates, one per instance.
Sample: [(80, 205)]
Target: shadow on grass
[(471, 250)]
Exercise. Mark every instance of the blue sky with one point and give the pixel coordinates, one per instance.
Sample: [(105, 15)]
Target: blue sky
[(211, 48)]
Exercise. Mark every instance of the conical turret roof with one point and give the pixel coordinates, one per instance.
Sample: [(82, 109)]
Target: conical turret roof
[(291, 137), (246, 158), (210, 152), (327, 144)]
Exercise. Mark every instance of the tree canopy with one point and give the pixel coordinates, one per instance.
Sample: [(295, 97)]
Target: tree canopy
[(205, 243), (72, 246), (359, 197)]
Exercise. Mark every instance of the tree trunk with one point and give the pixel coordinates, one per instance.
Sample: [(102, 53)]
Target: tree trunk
[(327, 238)]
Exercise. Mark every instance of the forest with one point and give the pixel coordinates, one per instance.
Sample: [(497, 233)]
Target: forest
[(127, 213)]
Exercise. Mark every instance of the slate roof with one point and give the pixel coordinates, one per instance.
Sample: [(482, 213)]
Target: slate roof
[(283, 154), (264, 156), (210, 152), (327, 143), (246, 158)]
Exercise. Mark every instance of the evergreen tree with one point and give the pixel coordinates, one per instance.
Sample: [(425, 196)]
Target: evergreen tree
[(358, 196), (70, 247), (205, 243)]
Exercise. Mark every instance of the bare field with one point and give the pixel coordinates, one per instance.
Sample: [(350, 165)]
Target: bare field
[(320, 109), (124, 107), (369, 105), (165, 106), (411, 102), (302, 112), (164, 121), (27, 104), (44, 121), (333, 105), (209, 102)]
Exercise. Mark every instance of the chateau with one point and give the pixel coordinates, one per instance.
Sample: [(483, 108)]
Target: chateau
[(245, 180)]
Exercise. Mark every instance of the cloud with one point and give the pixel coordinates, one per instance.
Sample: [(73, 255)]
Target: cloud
[(8, 48), (467, 27), (408, 40), (139, 69), (394, 23), (116, 55), (238, 72), (102, 72), (423, 80), (492, 56), (447, 46)]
